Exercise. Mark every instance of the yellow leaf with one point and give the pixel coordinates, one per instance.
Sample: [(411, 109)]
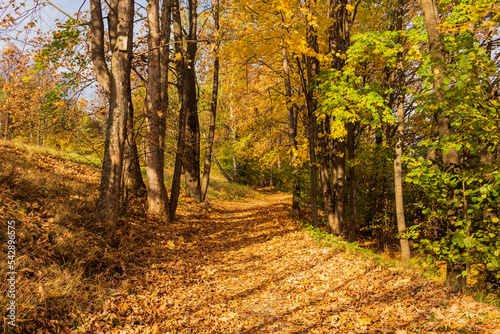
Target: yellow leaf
[(364, 321), (350, 8), (178, 56), (170, 244)]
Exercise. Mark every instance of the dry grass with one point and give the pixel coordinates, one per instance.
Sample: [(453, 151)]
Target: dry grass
[(66, 268), (58, 248)]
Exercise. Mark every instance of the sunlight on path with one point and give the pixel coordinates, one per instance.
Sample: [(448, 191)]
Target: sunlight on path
[(245, 267)]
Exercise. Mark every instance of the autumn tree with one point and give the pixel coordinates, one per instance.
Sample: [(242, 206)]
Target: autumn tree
[(115, 82)]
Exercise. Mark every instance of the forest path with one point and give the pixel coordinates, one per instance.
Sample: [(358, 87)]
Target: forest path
[(246, 267)]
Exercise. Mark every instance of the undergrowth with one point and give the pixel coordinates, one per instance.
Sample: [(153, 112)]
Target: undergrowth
[(221, 189), (431, 271), (84, 159), (338, 244)]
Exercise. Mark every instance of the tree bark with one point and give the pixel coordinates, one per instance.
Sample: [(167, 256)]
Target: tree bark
[(181, 139), (192, 156), (233, 140), (292, 136), (338, 222), (339, 40), (157, 194), (213, 109), (132, 177), (353, 219), (188, 145), (223, 172), (312, 70), (116, 84), (398, 169), (325, 179)]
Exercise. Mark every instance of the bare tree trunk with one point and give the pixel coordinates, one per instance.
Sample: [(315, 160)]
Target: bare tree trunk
[(233, 139), (213, 110), (223, 172), (451, 160), (39, 132), (192, 156), (353, 219), (292, 135), (325, 179), (44, 138), (340, 190), (312, 70), (188, 101), (115, 84), (181, 139), (398, 170), (132, 177), (339, 40), (157, 194), (7, 124)]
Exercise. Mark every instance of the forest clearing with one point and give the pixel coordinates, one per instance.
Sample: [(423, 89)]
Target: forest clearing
[(242, 265)]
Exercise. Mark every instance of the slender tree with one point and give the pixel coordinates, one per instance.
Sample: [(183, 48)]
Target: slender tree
[(157, 193), (207, 162), (398, 169), (292, 135)]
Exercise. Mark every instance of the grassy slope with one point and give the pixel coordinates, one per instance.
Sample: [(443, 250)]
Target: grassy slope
[(65, 268)]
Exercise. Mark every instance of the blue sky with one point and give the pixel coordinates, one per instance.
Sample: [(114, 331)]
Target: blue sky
[(46, 17)]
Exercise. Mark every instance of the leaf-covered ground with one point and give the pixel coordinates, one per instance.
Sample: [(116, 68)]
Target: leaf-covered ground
[(241, 266), (246, 267)]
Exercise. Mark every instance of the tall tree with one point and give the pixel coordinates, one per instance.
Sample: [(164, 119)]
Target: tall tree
[(398, 169), (188, 145), (190, 98), (292, 135), (213, 107), (339, 38), (115, 82), (451, 159), (157, 193)]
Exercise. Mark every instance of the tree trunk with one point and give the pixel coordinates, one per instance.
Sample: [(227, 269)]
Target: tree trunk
[(157, 194), (451, 160), (188, 144), (233, 139), (115, 84), (181, 139), (339, 39), (292, 135), (353, 219), (44, 137), (312, 70), (38, 132), (325, 180), (398, 170), (192, 156), (223, 172), (132, 177), (213, 110), (338, 221)]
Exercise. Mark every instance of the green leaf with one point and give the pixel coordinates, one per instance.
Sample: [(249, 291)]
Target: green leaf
[(469, 242)]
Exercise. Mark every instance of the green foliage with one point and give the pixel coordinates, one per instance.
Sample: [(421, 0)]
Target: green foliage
[(338, 244)]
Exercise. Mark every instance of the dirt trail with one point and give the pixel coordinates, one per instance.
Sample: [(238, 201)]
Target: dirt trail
[(245, 267)]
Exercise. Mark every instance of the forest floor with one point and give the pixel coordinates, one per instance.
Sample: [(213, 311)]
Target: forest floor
[(226, 266)]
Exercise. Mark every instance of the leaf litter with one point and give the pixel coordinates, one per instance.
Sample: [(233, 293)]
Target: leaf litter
[(246, 267), (241, 266)]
